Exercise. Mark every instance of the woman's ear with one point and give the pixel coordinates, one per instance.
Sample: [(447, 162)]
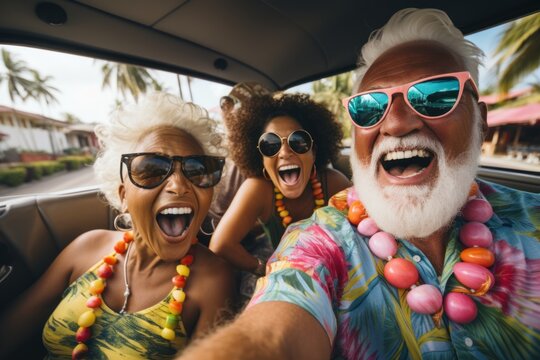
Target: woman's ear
[(122, 196)]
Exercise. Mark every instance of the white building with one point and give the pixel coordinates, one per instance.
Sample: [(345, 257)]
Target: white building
[(30, 132)]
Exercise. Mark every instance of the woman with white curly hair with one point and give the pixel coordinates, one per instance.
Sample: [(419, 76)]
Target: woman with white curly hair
[(144, 290)]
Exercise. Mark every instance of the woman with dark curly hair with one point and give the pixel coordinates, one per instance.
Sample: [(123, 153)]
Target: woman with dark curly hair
[(284, 145)]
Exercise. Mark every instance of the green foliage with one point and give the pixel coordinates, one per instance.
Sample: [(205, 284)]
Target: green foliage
[(12, 176), (518, 51), (36, 170), (76, 162), (329, 92), (131, 79)]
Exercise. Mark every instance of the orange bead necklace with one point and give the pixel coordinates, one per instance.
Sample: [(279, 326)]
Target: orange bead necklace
[(105, 271), (318, 196)]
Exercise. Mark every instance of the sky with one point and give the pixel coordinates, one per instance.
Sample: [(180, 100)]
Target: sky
[(79, 79)]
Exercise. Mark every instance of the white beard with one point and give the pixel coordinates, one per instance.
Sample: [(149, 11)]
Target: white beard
[(417, 211)]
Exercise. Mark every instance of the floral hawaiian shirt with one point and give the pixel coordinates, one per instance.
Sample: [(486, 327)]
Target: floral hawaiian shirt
[(325, 266)]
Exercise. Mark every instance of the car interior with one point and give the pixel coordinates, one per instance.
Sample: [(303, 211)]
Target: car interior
[(277, 43)]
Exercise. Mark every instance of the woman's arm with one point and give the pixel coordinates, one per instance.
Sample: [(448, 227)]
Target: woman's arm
[(214, 292), (25, 317), (253, 200)]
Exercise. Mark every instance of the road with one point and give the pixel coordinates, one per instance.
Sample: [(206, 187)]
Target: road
[(64, 180)]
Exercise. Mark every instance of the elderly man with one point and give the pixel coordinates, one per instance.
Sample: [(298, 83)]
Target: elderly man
[(419, 260)]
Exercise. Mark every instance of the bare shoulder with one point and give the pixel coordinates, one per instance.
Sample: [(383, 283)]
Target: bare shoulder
[(336, 181), (255, 184), (88, 248)]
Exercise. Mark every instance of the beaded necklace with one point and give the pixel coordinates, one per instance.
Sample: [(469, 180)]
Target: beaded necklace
[(472, 271), (96, 288), (318, 196)]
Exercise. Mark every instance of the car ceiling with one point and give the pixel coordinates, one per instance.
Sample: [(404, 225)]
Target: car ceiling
[(278, 43)]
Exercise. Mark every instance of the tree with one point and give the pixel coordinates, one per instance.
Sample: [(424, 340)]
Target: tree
[(330, 91), (518, 51), (24, 83), (71, 118), (128, 79), (18, 85), (41, 90)]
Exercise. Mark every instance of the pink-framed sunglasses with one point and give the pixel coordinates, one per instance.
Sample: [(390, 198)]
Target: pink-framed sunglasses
[(431, 98)]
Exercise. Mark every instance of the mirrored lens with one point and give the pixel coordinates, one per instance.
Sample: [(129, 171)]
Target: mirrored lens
[(300, 141), (149, 170), (202, 171), (434, 97), (367, 109), (269, 144)]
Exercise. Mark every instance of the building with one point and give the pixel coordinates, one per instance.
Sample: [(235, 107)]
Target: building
[(514, 125), (27, 133)]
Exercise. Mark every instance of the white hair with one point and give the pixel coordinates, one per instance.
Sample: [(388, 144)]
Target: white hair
[(418, 24), (130, 124)]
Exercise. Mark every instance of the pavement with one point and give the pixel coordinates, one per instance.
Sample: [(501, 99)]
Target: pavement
[(64, 180)]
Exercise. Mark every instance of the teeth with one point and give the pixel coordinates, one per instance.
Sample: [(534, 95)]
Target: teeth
[(407, 154), (288, 167), (176, 211)]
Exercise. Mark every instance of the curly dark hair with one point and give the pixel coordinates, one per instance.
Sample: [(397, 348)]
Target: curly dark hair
[(246, 125)]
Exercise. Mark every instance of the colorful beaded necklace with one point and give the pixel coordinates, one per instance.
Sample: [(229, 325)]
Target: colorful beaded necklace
[(105, 271), (472, 272), (318, 196)]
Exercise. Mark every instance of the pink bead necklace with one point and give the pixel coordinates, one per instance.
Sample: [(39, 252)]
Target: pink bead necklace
[(105, 271), (472, 272)]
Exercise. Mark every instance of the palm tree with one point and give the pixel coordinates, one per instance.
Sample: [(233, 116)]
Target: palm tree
[(131, 79), (23, 83), (518, 51), (18, 85), (41, 90), (330, 91)]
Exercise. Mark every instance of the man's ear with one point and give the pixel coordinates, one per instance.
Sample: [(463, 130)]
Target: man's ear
[(122, 195), (483, 117)]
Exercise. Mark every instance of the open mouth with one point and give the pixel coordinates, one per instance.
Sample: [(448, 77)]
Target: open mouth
[(406, 163), (174, 221), (289, 174)]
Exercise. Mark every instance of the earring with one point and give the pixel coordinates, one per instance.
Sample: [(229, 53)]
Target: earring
[(212, 225), (265, 174), (122, 222)]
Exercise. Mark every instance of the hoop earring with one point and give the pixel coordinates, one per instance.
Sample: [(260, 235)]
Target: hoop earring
[(314, 170), (208, 233), (265, 174), (122, 222)]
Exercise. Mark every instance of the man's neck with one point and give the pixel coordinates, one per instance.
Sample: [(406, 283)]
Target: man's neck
[(434, 247)]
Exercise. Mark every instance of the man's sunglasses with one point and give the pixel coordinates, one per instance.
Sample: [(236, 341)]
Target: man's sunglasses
[(431, 98), (299, 141), (149, 170)]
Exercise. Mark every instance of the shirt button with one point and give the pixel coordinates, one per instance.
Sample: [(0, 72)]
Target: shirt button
[(416, 258), (468, 342)]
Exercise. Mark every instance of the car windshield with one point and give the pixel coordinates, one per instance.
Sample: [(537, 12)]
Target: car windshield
[(50, 102)]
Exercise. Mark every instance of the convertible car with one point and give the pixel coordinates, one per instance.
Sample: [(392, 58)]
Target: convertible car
[(277, 43)]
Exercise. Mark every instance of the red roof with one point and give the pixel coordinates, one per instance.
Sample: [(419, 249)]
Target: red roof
[(526, 114), (496, 98)]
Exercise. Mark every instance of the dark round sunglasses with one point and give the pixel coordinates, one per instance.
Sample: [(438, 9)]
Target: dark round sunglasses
[(431, 98), (149, 170), (299, 141)]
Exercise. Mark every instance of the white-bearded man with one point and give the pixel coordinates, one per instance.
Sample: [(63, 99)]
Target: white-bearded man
[(419, 259)]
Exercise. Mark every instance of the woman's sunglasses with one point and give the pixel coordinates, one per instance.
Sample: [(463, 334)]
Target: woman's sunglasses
[(431, 98), (299, 141), (149, 170)]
